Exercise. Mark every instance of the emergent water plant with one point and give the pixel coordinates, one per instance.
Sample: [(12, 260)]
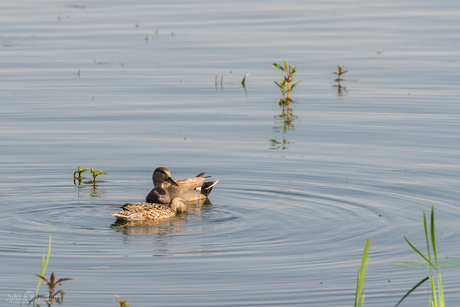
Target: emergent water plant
[(437, 295), (286, 85), (79, 171), (340, 72), (44, 266), (53, 296), (244, 80), (51, 283), (123, 303), (359, 297), (95, 173)]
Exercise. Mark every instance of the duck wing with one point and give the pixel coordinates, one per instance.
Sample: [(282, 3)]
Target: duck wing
[(191, 183)]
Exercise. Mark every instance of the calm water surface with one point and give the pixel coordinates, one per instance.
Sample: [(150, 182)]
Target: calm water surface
[(129, 87)]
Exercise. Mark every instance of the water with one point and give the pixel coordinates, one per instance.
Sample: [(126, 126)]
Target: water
[(129, 87)]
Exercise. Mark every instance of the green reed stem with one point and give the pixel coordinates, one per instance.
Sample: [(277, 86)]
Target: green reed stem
[(43, 267), (359, 297)]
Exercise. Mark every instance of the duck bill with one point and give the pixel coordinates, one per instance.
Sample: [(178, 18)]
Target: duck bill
[(172, 181)]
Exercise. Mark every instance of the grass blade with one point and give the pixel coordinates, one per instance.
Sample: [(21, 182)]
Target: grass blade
[(433, 301), (418, 252), (427, 239), (362, 275), (409, 292), (44, 266), (440, 291), (433, 238), (433, 292)]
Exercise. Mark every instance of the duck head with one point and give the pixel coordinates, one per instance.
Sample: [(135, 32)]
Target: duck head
[(178, 204), (161, 175)]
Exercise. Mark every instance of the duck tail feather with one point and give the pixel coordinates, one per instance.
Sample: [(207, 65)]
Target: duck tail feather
[(207, 187)]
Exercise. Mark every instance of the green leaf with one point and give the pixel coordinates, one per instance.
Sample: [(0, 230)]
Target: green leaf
[(285, 66), (440, 291), (417, 251), (294, 84), (244, 80), (409, 292), (293, 70), (362, 275), (278, 66), (281, 88), (427, 239), (433, 240), (44, 266)]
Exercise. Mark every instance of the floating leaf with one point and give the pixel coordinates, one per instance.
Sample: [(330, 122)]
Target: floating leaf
[(443, 262)]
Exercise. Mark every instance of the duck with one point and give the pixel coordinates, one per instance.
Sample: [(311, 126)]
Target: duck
[(166, 189), (151, 211)]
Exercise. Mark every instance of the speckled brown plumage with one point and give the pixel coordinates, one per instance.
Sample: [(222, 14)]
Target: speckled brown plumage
[(150, 211)]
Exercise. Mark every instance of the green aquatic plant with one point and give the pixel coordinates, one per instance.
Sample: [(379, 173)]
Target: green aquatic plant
[(286, 85), (95, 173), (79, 171), (437, 298), (244, 80), (359, 297), (43, 267), (282, 85), (53, 296), (123, 303)]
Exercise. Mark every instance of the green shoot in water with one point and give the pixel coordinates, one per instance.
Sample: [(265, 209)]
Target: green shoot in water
[(95, 173), (359, 297), (44, 266), (79, 171), (286, 85), (123, 303), (437, 299), (244, 80)]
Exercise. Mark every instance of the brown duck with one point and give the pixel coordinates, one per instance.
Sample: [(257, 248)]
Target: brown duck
[(165, 188), (149, 211)]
